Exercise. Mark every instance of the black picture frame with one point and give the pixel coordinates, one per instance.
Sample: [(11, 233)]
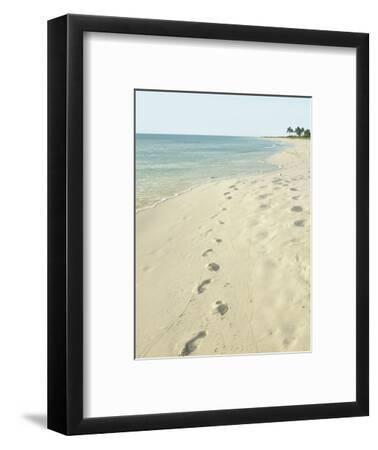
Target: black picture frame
[(65, 224)]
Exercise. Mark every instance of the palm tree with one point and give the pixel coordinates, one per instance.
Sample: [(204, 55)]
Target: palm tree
[(307, 133), (299, 131), (289, 130)]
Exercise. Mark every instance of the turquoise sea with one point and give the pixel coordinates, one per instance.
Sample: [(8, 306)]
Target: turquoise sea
[(168, 164)]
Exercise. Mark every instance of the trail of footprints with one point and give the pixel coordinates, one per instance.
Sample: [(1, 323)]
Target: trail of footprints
[(281, 182), (219, 307)]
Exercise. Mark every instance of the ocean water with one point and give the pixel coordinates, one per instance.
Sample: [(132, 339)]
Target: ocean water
[(168, 164)]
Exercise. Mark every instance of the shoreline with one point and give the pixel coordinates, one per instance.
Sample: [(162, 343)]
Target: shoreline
[(177, 194), (224, 267)]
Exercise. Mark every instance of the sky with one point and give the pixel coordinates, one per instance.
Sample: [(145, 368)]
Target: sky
[(219, 114)]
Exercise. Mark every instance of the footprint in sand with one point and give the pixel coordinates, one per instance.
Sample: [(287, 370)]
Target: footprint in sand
[(229, 197), (224, 209), (221, 308), (220, 222), (192, 344), (293, 189), (205, 253), (264, 206), (262, 196), (231, 187), (202, 287), (299, 223), (227, 193), (286, 342), (297, 209), (213, 267), (296, 197), (218, 241)]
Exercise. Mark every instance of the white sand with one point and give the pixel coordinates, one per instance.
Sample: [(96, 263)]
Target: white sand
[(255, 233)]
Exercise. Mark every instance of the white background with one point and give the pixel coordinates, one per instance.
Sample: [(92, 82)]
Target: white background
[(23, 224), (115, 383)]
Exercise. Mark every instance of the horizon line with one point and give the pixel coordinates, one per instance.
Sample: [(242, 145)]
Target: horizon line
[(223, 135)]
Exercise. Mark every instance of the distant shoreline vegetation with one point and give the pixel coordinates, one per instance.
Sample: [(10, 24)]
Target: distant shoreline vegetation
[(298, 132)]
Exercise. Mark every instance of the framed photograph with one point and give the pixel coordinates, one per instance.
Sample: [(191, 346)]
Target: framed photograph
[(208, 224)]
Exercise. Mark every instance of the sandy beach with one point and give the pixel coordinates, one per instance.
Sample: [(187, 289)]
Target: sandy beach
[(225, 267)]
